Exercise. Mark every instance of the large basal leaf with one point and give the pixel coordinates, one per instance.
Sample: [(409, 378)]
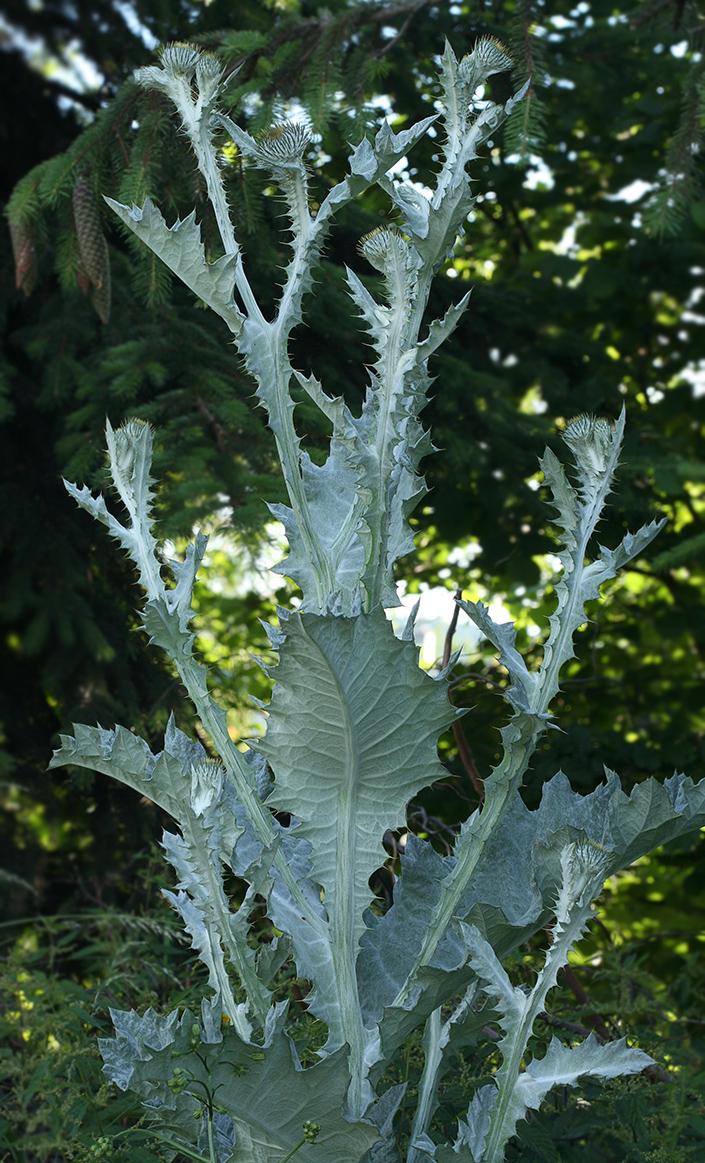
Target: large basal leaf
[(390, 944), (263, 1094), (352, 734)]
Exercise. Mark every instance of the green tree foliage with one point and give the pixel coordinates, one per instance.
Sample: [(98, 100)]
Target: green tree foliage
[(57, 980)]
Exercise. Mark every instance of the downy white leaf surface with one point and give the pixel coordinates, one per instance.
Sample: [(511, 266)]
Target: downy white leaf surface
[(341, 764)]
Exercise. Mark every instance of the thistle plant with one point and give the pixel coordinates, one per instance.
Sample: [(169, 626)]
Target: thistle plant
[(353, 722)]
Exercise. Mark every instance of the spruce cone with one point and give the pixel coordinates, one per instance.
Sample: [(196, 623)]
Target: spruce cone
[(101, 296), (95, 259), (25, 256)]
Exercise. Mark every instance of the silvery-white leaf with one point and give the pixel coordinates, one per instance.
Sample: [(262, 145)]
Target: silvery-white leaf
[(338, 762), (245, 1076), (180, 248)]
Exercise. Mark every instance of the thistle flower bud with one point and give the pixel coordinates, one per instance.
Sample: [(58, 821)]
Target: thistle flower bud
[(590, 441), (384, 248), (283, 146), (206, 784), (180, 58), (584, 864), (181, 64), (126, 441), (376, 245), (488, 56)]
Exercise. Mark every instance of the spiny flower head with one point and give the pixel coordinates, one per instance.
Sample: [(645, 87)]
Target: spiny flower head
[(283, 146), (126, 442), (584, 864), (590, 441), (383, 246), (488, 56), (206, 784), (181, 65), (180, 57)]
